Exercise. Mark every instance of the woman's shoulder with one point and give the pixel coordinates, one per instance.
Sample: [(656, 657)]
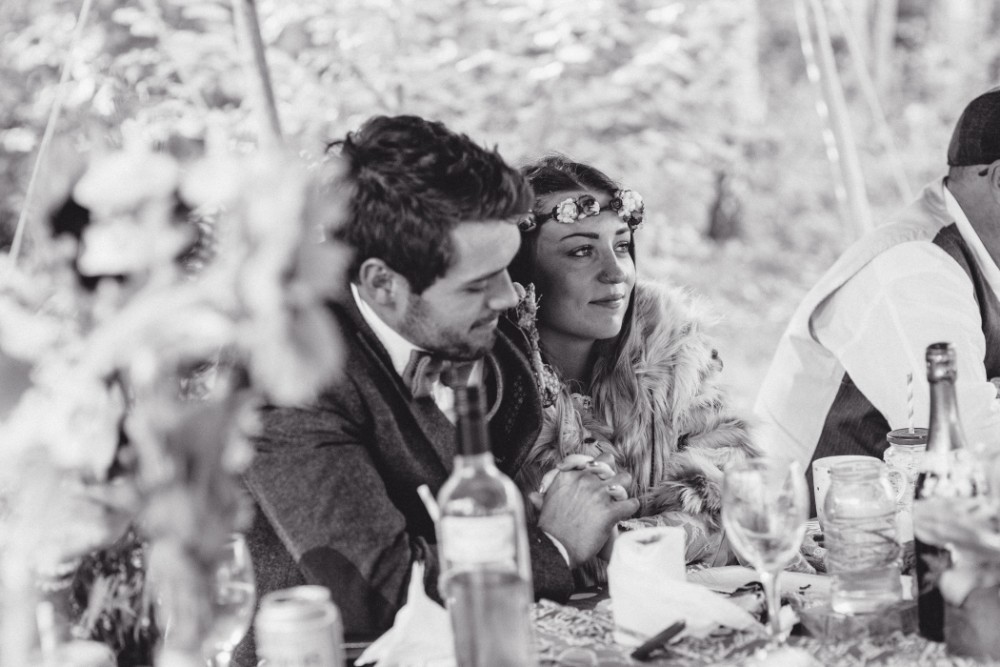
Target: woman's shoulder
[(673, 311)]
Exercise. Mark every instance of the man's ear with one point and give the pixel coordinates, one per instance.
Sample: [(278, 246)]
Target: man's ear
[(379, 282)]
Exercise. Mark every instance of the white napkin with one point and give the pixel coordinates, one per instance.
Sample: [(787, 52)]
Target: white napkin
[(649, 592), (420, 635)]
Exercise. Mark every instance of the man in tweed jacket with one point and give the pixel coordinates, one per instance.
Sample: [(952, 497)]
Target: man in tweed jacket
[(431, 218)]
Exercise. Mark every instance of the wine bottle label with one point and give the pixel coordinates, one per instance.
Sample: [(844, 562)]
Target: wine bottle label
[(478, 539)]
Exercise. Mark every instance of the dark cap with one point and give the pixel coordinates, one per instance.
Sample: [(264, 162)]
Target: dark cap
[(976, 139)]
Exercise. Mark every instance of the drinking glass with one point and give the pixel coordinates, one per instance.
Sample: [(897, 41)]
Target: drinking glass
[(232, 599), (764, 512)]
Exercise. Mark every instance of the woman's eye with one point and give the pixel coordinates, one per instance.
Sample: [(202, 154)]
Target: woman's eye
[(583, 251), (624, 246)]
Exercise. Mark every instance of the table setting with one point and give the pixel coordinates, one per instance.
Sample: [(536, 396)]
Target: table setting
[(657, 610)]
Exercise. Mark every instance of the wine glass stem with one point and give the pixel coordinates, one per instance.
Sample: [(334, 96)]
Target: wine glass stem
[(773, 596)]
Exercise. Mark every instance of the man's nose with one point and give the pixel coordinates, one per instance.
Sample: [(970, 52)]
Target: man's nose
[(503, 295)]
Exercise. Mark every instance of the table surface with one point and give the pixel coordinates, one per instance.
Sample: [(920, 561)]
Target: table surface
[(581, 633)]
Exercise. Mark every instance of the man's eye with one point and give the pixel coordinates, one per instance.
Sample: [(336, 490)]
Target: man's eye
[(475, 289)]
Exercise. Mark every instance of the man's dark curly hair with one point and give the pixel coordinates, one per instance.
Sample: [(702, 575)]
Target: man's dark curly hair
[(412, 181)]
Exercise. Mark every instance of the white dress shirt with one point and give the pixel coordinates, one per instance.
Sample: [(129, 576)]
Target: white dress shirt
[(880, 322)]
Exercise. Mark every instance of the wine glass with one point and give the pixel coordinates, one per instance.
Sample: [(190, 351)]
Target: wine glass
[(232, 598), (764, 512)]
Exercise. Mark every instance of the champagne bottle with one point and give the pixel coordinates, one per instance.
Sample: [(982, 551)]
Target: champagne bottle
[(940, 476), (483, 545)]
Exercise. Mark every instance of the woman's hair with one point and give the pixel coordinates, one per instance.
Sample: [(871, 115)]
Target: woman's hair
[(551, 174), (557, 173)]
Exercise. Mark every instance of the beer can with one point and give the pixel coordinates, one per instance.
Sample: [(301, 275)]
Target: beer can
[(299, 627)]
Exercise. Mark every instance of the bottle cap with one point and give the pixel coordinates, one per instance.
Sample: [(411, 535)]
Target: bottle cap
[(906, 437), (940, 362)]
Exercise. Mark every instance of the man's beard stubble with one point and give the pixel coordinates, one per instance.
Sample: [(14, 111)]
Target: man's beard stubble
[(419, 328)]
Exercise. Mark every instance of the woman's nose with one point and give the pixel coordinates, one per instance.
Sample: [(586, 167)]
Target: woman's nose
[(613, 272)]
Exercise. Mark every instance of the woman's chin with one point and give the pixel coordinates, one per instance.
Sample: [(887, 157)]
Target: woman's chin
[(599, 330)]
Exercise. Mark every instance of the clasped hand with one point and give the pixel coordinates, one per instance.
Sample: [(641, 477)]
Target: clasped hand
[(582, 501)]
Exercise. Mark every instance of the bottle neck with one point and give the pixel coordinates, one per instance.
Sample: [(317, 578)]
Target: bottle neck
[(473, 439), (945, 428), (480, 461)]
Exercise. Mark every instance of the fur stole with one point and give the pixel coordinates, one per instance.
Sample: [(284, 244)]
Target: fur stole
[(660, 410)]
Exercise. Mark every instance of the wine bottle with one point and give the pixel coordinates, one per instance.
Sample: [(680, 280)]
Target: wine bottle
[(483, 545), (942, 475)]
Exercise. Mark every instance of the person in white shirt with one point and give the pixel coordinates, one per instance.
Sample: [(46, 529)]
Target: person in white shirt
[(840, 379)]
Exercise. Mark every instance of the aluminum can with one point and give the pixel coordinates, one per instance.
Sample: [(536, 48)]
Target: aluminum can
[(299, 627)]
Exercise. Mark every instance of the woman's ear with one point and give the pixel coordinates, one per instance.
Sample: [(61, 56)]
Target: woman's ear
[(379, 283)]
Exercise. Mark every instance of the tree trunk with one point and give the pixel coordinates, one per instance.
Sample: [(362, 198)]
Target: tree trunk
[(725, 216), (884, 38)]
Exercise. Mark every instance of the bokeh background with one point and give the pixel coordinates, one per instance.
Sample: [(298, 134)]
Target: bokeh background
[(759, 131)]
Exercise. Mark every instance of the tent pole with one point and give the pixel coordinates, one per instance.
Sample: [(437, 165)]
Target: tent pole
[(248, 30), (27, 209)]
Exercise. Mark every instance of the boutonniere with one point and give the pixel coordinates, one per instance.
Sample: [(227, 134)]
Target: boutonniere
[(526, 311)]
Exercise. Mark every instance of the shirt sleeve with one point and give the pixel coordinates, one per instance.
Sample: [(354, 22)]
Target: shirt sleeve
[(881, 321), (559, 547)]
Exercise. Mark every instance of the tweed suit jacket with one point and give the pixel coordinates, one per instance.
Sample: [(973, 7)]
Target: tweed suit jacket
[(335, 483)]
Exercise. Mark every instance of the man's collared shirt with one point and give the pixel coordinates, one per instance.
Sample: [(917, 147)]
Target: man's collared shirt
[(400, 349)]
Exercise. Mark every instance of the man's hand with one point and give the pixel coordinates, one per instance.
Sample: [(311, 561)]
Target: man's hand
[(581, 509)]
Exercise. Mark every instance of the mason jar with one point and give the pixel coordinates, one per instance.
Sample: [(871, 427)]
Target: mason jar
[(863, 554), (904, 454)]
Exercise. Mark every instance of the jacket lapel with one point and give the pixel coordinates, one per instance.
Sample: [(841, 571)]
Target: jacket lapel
[(515, 426), (434, 426)]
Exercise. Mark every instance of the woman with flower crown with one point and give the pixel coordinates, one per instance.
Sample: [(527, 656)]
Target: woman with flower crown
[(625, 368)]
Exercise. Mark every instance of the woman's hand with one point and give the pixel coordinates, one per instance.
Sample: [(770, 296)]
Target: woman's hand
[(603, 466)]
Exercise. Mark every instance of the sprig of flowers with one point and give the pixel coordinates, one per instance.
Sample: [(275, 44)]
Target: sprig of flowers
[(526, 313)]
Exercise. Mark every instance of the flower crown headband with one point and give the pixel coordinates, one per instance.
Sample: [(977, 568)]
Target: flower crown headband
[(627, 203)]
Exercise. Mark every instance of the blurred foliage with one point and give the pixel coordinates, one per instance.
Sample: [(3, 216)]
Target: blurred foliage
[(661, 94)]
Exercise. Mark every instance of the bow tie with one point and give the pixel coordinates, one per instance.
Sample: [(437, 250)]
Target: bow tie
[(425, 368)]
